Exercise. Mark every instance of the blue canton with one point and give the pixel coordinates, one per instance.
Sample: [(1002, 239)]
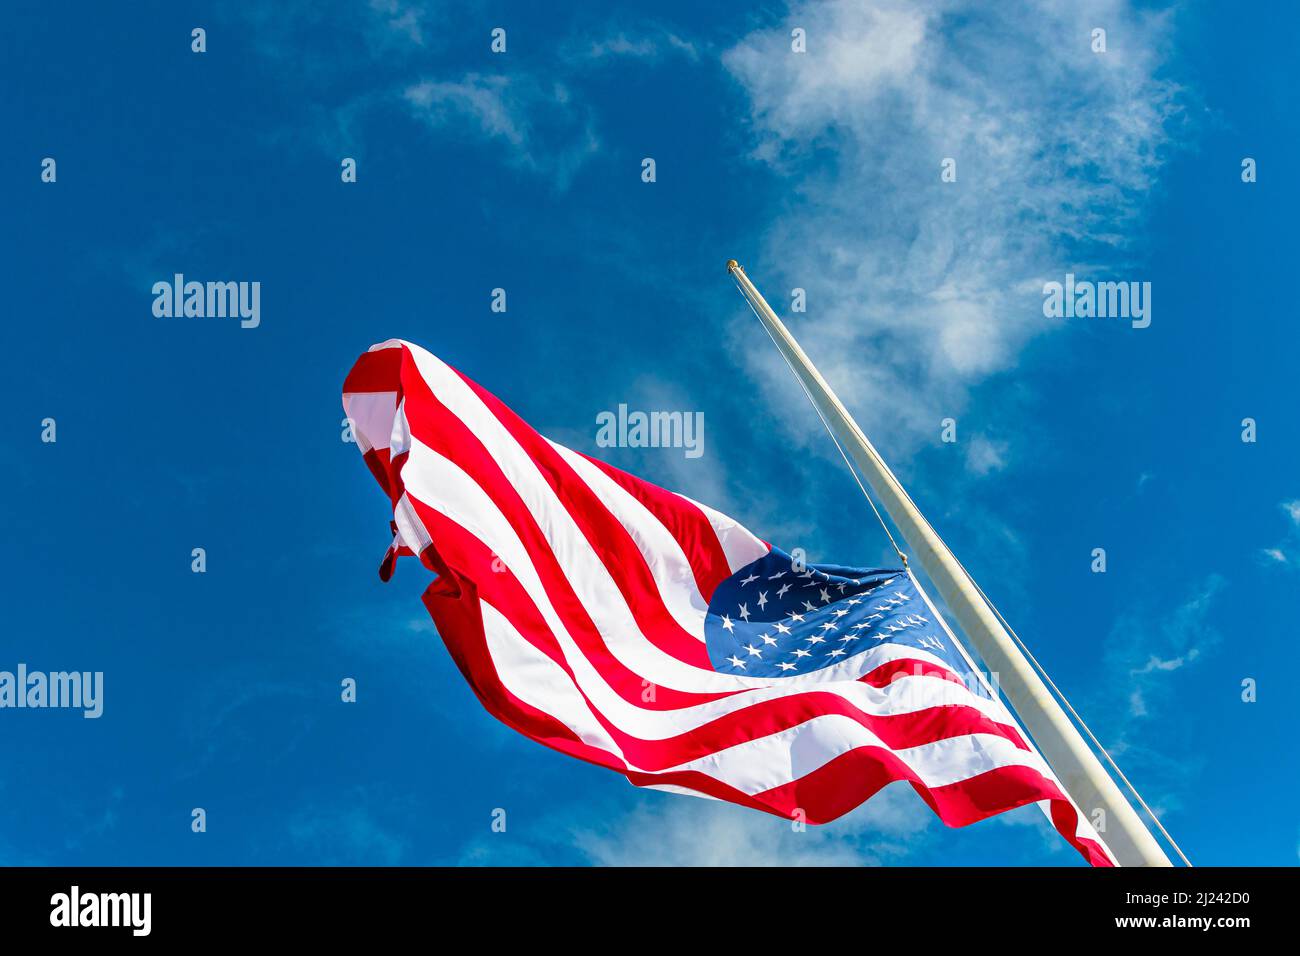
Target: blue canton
[(772, 619)]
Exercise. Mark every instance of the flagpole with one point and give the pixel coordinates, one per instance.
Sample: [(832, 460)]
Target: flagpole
[(1080, 772)]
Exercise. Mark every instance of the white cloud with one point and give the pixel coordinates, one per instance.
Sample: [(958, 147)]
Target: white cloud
[(1145, 647), (684, 832), (545, 129), (984, 455), (918, 290), (1148, 651), (1287, 550), (647, 42), (407, 20)]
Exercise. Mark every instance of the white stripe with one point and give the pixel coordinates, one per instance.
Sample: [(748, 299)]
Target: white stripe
[(540, 682), (676, 788), (410, 529), (738, 543), (372, 417), (758, 765)]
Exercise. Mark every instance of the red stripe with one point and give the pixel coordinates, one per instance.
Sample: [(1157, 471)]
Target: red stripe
[(377, 461), (375, 371), (908, 667)]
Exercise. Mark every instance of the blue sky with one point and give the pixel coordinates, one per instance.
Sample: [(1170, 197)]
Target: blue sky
[(523, 171)]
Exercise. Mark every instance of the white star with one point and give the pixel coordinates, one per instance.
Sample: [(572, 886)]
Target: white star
[(815, 639), (728, 624), (754, 651), (762, 600), (826, 596), (849, 637), (796, 617), (767, 639), (808, 606), (860, 626), (851, 601), (752, 577), (735, 661), (786, 667), (782, 628), (744, 612), (802, 653), (838, 652), (840, 612), (784, 588), (773, 577)]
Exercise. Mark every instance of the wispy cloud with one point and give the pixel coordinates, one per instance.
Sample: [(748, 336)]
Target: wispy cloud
[(697, 833), (538, 125), (1145, 652), (920, 289), (345, 831), (1145, 649), (407, 20), (681, 831), (645, 41), (545, 130), (985, 455), (1287, 551)]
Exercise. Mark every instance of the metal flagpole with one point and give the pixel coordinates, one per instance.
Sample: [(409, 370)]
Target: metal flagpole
[(1079, 770)]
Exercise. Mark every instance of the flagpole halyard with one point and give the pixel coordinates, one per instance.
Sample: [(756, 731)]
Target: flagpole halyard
[(1080, 772)]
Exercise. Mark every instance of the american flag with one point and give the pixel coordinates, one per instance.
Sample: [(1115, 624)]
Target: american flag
[(640, 630)]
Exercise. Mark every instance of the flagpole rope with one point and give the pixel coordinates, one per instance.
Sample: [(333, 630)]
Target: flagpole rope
[(1010, 630)]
